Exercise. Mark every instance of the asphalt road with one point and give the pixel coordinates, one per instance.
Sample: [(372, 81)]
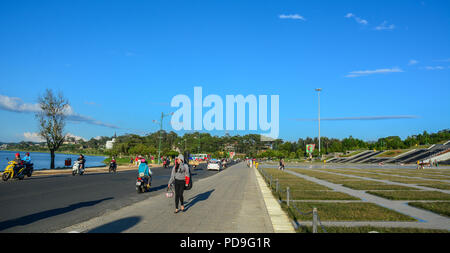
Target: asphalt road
[(49, 203)]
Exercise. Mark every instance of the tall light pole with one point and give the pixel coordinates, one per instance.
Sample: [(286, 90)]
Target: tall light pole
[(160, 131), (318, 92)]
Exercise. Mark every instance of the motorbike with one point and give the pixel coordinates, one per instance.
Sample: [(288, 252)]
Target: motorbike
[(142, 185), (112, 167), (77, 169), (20, 173)]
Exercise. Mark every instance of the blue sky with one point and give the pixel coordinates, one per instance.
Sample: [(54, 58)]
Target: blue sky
[(121, 62)]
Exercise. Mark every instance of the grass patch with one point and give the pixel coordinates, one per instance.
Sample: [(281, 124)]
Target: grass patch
[(346, 212), (302, 189), (371, 185), (319, 195), (367, 229), (437, 185), (293, 182), (442, 208), (353, 153), (337, 179), (411, 195), (393, 153)]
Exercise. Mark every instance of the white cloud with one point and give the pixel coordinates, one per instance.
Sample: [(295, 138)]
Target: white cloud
[(384, 26), (413, 62), (292, 16), (14, 104), (371, 72), (34, 137), (357, 19)]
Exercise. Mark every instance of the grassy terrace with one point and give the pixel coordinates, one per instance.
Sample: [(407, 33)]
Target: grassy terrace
[(442, 208), (392, 192), (353, 153), (302, 189), (414, 173), (393, 153), (393, 178)]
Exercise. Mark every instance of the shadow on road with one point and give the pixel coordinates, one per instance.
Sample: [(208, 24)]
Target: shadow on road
[(154, 189), (117, 226), (201, 197), (25, 220)]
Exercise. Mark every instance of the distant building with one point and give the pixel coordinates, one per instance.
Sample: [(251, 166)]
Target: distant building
[(4, 146), (110, 144)]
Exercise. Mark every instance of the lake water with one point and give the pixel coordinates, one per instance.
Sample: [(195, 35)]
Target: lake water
[(42, 160)]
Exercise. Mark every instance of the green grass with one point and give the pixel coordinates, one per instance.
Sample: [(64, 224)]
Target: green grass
[(411, 195), (345, 212), (437, 185), (337, 179), (353, 153), (442, 208), (371, 185), (393, 153), (302, 189), (318, 195), (367, 229)]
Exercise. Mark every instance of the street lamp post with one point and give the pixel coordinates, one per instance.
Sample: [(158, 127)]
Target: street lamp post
[(318, 92), (160, 131)]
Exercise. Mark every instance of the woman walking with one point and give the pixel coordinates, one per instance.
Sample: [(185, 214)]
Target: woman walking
[(180, 177)]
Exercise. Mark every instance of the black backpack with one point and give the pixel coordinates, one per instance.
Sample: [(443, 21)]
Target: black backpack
[(190, 180)]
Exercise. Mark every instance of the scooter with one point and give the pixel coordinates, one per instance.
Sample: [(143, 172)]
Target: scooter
[(77, 169), (24, 170), (142, 185)]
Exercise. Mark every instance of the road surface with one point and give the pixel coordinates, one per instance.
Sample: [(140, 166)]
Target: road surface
[(48, 203)]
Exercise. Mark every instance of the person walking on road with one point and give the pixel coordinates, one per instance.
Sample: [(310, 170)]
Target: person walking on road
[(179, 177), (281, 164)]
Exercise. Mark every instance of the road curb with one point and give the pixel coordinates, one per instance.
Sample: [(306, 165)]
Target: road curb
[(280, 221)]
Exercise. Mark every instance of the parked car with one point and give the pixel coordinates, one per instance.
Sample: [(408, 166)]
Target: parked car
[(213, 165)]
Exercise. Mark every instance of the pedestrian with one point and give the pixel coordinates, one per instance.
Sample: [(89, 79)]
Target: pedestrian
[(180, 178), (281, 164), (131, 161)]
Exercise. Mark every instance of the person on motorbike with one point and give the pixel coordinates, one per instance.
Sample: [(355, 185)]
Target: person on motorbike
[(113, 162), (143, 168), (81, 161), (19, 163), (27, 158)]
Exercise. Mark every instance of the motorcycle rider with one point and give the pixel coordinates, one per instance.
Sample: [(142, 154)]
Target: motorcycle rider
[(19, 163), (113, 161), (27, 158), (143, 168), (81, 161)]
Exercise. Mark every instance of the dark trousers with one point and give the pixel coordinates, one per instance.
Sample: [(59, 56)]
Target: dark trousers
[(179, 189)]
